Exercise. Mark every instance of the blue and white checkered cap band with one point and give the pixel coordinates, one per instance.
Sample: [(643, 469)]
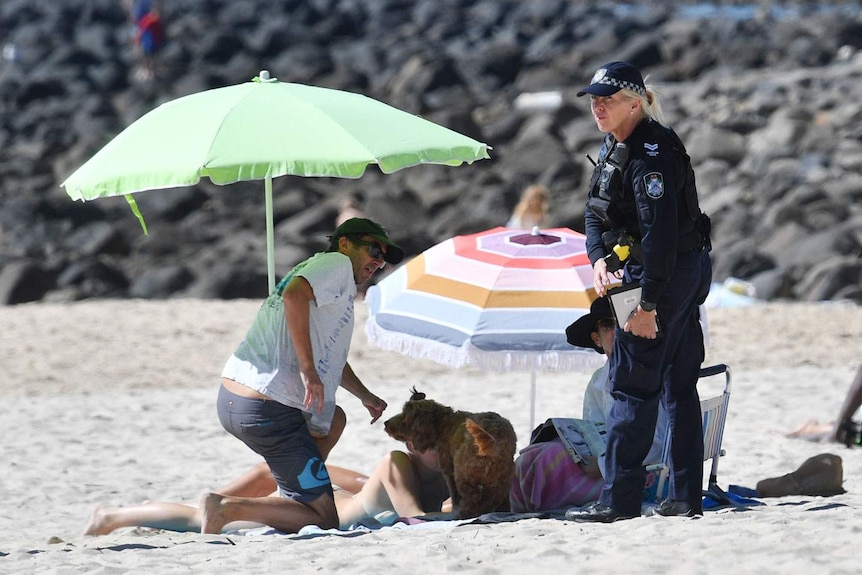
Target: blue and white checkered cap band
[(601, 77)]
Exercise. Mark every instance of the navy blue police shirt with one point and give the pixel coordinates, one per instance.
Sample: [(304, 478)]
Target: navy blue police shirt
[(652, 204)]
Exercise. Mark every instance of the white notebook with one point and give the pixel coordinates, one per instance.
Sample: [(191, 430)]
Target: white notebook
[(624, 300)]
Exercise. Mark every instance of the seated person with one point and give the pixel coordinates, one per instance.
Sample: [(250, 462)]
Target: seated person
[(546, 476)]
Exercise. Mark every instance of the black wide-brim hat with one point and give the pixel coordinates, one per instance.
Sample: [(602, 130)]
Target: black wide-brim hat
[(579, 332)]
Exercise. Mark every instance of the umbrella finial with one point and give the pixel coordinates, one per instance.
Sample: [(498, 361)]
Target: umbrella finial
[(535, 231), (264, 77)]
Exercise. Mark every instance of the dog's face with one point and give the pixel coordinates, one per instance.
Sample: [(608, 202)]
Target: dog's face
[(419, 423)]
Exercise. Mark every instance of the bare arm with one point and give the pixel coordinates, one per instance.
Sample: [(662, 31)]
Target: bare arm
[(297, 297), (351, 382), (602, 278), (399, 478)]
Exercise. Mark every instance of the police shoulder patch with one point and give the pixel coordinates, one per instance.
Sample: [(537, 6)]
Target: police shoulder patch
[(654, 185)]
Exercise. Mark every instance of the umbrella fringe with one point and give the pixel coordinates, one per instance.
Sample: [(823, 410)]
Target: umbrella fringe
[(414, 346), (550, 361), (501, 361)]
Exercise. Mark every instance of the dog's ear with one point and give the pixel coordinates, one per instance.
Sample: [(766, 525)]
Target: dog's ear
[(483, 440), (416, 395)]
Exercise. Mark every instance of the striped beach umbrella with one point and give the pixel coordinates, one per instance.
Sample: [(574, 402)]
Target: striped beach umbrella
[(499, 300)]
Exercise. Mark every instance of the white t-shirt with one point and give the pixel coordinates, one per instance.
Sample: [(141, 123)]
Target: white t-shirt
[(266, 360), (597, 406)]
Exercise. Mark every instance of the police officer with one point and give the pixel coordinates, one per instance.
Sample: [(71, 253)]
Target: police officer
[(643, 199)]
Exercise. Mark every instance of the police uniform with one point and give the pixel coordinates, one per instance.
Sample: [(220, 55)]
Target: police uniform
[(652, 200)]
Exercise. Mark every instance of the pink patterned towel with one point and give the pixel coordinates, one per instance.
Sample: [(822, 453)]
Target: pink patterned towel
[(547, 478)]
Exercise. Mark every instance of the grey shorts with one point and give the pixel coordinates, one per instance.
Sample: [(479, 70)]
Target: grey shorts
[(280, 435)]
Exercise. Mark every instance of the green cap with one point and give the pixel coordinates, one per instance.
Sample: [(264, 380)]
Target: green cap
[(364, 226)]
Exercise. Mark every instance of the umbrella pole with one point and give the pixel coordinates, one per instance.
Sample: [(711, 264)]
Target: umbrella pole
[(532, 401), (270, 235)]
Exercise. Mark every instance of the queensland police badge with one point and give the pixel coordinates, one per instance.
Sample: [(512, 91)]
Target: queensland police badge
[(654, 185)]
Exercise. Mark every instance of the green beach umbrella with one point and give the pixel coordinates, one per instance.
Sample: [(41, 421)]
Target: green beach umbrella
[(260, 130)]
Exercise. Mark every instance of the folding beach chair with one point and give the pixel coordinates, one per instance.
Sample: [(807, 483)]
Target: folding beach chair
[(714, 411)]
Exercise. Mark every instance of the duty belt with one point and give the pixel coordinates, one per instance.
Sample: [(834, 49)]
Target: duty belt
[(690, 241)]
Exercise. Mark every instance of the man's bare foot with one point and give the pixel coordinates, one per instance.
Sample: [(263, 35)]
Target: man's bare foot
[(212, 513), (100, 521)]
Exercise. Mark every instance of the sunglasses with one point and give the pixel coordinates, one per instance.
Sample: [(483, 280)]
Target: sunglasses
[(374, 250)]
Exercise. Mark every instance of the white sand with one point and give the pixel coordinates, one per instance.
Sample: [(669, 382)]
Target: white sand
[(113, 402)]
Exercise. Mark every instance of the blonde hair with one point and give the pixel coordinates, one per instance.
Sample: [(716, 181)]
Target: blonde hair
[(532, 209), (650, 103)]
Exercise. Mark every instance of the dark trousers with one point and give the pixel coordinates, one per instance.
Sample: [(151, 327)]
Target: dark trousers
[(644, 372)]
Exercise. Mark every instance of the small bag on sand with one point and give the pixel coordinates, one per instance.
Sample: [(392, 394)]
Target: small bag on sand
[(820, 475)]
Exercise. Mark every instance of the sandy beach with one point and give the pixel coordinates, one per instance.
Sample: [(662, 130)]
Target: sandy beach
[(114, 402)]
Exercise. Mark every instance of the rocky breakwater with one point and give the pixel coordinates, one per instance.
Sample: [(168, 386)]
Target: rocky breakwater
[(764, 97)]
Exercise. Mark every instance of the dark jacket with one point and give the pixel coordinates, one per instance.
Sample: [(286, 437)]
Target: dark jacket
[(656, 204)]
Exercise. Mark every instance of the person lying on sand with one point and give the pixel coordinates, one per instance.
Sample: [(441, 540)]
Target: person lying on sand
[(401, 485), (843, 429)]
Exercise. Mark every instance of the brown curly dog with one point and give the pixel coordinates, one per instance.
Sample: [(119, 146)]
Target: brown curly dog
[(476, 451)]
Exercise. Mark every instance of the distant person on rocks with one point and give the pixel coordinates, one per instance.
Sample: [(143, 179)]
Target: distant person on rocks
[(349, 208), (149, 34), (278, 388), (531, 210)]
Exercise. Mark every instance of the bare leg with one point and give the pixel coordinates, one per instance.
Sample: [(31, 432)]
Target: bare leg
[(393, 478), (282, 514), (259, 482), (813, 430), (397, 475), (350, 509), (256, 482), (326, 443), (395, 485), (346, 479), (170, 516)]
